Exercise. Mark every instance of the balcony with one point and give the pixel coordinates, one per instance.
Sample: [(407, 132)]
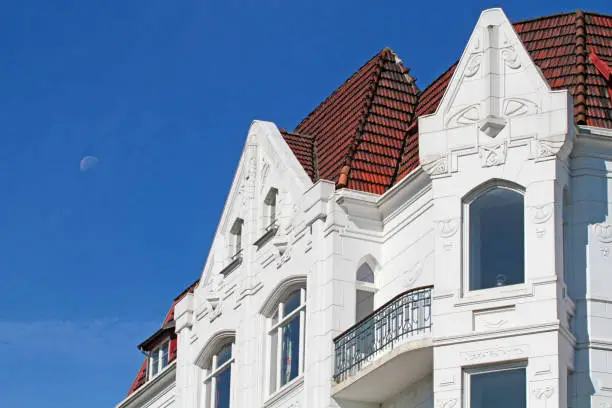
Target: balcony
[(387, 351)]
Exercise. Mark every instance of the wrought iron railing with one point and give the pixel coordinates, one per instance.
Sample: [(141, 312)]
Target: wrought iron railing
[(404, 316)]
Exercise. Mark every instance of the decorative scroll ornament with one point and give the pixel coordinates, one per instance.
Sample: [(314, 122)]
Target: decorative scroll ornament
[(448, 227), (540, 148), (440, 167), (473, 65), (493, 155), (510, 58), (541, 213), (466, 116), (514, 107), (603, 233), (447, 403)]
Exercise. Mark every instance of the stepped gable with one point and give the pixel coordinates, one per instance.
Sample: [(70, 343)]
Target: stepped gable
[(360, 129), (367, 130)]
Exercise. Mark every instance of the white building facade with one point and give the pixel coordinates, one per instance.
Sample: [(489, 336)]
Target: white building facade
[(481, 277)]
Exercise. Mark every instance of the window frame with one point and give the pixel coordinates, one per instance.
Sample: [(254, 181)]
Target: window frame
[(468, 372), (270, 215), (158, 352), (276, 351), (236, 245), (212, 372), (468, 200), (363, 286)]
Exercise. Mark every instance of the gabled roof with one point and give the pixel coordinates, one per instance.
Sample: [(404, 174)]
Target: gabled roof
[(361, 125), (364, 136), (166, 329)]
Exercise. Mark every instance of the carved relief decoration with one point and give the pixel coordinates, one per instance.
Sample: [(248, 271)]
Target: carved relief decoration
[(448, 227), (473, 65), (493, 155), (514, 107), (541, 148), (603, 233), (510, 58), (440, 167), (465, 116), (447, 403), (498, 353), (544, 393), (542, 213)]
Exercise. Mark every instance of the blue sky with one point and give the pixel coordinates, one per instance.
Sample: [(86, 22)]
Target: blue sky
[(162, 93)]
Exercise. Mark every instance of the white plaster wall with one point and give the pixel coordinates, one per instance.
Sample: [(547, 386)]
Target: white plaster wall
[(419, 395)]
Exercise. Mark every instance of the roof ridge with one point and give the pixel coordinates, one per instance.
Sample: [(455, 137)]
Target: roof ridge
[(346, 81), (372, 87), (529, 20), (285, 131), (580, 49)]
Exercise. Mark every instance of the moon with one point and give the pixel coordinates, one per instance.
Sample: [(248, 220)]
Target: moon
[(88, 162)]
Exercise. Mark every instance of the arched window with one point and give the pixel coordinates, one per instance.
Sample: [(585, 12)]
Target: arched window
[(364, 298), (495, 237), (286, 327), (218, 377)]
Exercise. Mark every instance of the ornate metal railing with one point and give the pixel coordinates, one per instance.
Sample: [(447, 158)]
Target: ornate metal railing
[(404, 316)]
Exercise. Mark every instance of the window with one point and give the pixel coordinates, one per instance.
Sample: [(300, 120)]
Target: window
[(158, 359), (270, 209), (286, 334), (365, 292), (496, 238), (219, 378), (502, 387), (235, 245)]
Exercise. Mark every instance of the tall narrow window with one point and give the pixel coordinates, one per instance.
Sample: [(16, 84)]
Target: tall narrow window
[(236, 238), (219, 378), (497, 387), (270, 209), (496, 237), (287, 339), (365, 292)]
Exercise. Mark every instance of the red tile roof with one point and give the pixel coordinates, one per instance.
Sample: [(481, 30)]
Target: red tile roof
[(141, 377), (367, 128)]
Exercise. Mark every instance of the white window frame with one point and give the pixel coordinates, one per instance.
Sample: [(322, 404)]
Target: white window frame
[(210, 379), (467, 202), (469, 372), (300, 313), (159, 352)]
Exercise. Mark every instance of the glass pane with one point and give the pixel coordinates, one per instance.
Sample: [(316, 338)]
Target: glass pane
[(164, 352), (224, 355), (497, 239), (500, 389), (291, 350), (273, 354), (365, 274), (365, 304), (292, 303), (222, 396), (154, 363)]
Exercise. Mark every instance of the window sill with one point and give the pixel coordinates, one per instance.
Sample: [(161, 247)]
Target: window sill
[(284, 391), (267, 236), (519, 290), (232, 265)]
